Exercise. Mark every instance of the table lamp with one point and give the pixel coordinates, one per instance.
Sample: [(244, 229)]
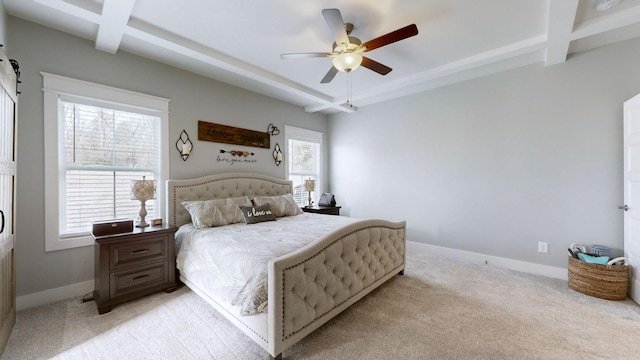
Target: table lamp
[(143, 190), (309, 185)]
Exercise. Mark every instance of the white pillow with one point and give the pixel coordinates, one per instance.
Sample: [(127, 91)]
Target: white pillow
[(217, 212), (281, 205)]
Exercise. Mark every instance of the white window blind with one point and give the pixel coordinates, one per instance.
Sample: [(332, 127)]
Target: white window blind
[(304, 161), (103, 150)]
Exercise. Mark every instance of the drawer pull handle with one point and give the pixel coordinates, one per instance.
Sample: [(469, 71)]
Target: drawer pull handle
[(138, 252), (139, 278)]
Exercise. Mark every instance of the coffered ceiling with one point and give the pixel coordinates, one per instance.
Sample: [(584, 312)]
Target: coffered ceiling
[(240, 42)]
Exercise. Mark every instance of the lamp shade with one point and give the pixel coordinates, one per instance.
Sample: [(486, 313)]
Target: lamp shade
[(143, 189), (347, 62), (309, 185)]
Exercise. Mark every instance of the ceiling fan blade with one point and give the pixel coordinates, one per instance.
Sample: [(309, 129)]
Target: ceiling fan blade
[(375, 66), (330, 75), (400, 34), (336, 26), (304, 55)]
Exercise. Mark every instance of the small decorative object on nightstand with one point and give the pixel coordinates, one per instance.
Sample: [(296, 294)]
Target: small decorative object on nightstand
[(134, 264), (326, 210), (143, 190)]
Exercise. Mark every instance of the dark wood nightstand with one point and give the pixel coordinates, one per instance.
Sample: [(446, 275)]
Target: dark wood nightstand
[(326, 210), (134, 264)]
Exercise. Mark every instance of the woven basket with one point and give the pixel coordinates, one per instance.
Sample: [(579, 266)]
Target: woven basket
[(608, 282)]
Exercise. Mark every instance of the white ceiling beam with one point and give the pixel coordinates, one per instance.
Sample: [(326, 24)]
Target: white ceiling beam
[(339, 105), (562, 15), (116, 21), (205, 55), (113, 23), (212, 57), (607, 23), (470, 63), (72, 10)]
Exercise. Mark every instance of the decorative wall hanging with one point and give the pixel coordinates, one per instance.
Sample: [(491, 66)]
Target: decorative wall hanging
[(184, 145), (232, 135), (16, 69), (236, 157), (273, 130), (277, 154), (237, 153)]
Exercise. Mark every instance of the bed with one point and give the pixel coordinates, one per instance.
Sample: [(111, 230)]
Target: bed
[(306, 287)]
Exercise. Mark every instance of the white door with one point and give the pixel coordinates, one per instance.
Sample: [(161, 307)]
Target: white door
[(631, 206)]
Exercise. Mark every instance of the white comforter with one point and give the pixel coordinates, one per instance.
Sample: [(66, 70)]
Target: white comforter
[(232, 260)]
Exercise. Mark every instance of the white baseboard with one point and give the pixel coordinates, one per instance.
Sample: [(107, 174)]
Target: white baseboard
[(532, 268), (53, 295), (79, 289)]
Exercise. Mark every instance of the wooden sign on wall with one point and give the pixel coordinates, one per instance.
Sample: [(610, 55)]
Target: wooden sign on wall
[(232, 135)]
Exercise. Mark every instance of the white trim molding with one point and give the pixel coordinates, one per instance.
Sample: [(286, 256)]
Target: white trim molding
[(505, 263), (311, 136), (79, 289), (56, 87), (53, 295)]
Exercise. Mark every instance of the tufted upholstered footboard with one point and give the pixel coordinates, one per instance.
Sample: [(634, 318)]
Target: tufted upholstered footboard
[(310, 286)]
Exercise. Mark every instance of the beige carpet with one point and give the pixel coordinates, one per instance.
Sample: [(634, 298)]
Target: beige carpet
[(441, 309)]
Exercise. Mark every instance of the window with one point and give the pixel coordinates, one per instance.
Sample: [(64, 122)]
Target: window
[(103, 150), (106, 137), (304, 161)]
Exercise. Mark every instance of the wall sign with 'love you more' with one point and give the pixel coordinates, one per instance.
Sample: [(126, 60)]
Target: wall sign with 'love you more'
[(237, 156)]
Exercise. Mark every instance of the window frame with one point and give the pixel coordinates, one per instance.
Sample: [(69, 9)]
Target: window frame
[(56, 87), (312, 136)]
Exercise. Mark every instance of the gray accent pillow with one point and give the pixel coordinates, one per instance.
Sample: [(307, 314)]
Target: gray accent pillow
[(256, 214)]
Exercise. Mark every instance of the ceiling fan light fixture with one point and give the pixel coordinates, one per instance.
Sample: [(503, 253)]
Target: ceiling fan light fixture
[(347, 62)]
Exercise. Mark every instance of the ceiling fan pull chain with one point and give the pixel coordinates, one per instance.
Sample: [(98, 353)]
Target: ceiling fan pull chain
[(349, 89)]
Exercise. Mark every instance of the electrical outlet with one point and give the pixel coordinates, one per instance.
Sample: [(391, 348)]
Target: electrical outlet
[(543, 247)]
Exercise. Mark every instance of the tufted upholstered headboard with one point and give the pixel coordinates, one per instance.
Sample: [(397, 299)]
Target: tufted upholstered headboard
[(219, 186)]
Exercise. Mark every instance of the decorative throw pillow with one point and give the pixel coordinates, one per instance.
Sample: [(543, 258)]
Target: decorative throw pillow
[(256, 214), (281, 205), (217, 212)]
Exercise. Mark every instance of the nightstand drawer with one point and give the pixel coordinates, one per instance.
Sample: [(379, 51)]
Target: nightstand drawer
[(138, 252), (134, 264), (128, 281), (326, 210)]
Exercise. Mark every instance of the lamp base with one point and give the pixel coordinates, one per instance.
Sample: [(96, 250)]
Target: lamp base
[(142, 224), (142, 214), (310, 203)]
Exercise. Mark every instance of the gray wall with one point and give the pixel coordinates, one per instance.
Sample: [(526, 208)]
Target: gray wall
[(192, 97), (3, 26), (494, 165)]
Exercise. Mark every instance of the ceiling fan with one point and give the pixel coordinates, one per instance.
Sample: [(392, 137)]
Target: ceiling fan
[(347, 49)]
